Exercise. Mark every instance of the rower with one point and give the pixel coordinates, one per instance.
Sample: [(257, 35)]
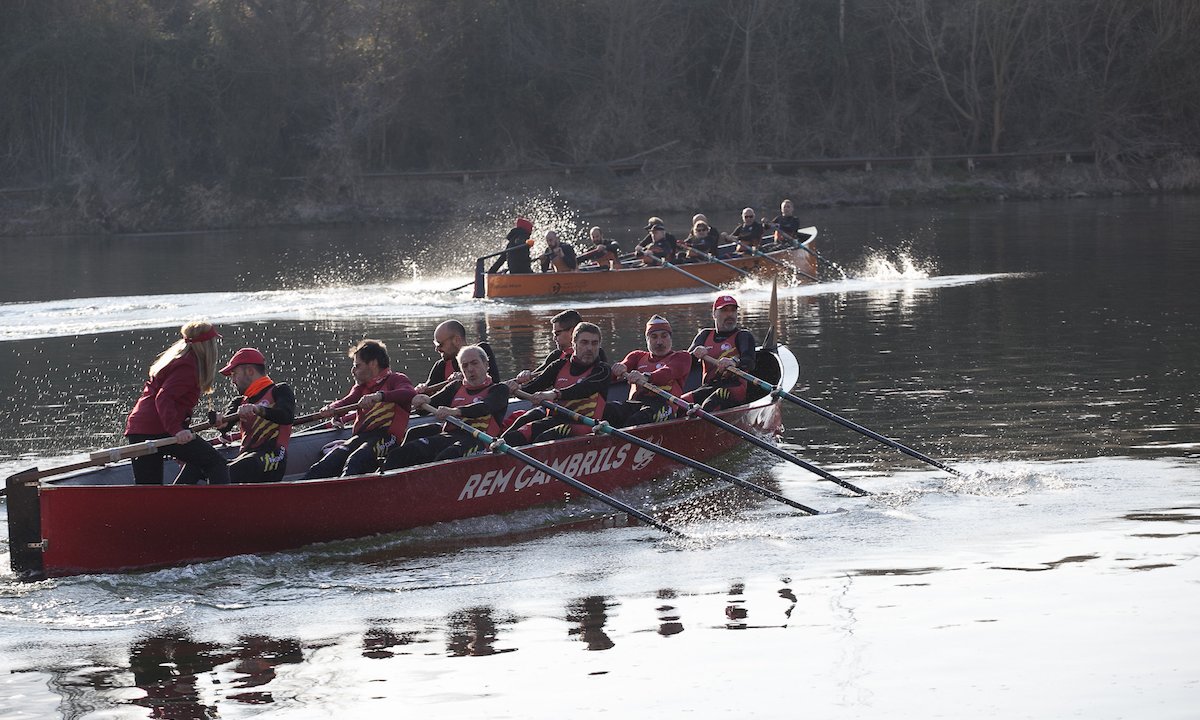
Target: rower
[(516, 252), (265, 411), (731, 346), (750, 233), (704, 237), (562, 326), (383, 400), (449, 337), (658, 242), (559, 256), (605, 253), (578, 381), (658, 364), (476, 398), (787, 225)]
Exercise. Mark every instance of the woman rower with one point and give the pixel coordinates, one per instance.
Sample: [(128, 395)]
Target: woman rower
[(177, 379)]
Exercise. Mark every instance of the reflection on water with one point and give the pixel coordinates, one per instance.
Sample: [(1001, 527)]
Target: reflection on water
[(474, 631), (668, 615), (185, 678), (590, 614)]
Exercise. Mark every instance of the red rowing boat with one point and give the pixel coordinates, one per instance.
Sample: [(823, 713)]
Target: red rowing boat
[(97, 520)]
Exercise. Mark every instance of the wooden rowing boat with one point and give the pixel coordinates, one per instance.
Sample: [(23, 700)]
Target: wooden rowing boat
[(97, 520), (794, 261)]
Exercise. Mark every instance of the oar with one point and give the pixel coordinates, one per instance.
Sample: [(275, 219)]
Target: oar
[(781, 393), (676, 268), (607, 429), (760, 254), (499, 444), (125, 452), (811, 231), (714, 258), (479, 265), (694, 409)]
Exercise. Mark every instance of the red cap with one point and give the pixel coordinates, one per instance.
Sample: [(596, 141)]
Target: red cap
[(525, 224), (722, 301), (205, 336), (245, 356)]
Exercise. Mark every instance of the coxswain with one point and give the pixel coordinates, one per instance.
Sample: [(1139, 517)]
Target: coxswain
[(449, 337), (659, 243), (787, 225), (749, 234), (383, 400), (605, 253), (731, 346), (659, 365), (178, 377), (265, 410), (477, 399), (578, 381), (559, 256), (516, 252)]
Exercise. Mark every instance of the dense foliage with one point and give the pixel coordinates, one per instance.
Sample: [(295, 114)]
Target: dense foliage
[(157, 94)]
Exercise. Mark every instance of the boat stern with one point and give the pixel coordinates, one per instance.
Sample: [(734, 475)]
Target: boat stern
[(25, 543)]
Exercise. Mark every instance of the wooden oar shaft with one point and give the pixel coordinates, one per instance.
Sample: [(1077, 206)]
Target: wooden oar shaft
[(694, 409), (584, 488), (604, 427), (676, 268), (760, 254), (808, 405), (714, 258)]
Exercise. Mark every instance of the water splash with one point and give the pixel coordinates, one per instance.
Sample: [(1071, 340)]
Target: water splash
[(892, 265)]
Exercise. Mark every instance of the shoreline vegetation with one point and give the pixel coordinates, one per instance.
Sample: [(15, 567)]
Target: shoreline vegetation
[(597, 193), (161, 115)]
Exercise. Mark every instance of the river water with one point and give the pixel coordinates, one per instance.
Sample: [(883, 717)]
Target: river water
[(1048, 350)]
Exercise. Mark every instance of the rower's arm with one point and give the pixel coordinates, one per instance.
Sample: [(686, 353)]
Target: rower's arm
[(746, 351)]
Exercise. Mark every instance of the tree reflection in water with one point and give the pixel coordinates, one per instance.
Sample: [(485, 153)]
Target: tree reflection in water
[(591, 615)]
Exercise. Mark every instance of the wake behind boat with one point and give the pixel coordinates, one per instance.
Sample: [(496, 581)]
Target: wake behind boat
[(98, 520)]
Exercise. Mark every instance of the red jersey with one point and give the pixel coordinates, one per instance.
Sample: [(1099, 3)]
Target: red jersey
[(668, 372), (392, 412)]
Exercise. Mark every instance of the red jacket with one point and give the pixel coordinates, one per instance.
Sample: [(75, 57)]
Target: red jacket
[(167, 399)]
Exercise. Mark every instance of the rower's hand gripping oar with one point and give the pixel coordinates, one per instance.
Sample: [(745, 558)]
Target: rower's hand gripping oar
[(607, 429), (694, 409), (781, 393), (654, 258), (499, 444)]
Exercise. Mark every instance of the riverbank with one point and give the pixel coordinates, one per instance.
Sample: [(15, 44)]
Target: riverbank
[(118, 208)]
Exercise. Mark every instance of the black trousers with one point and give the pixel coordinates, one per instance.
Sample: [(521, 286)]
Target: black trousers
[(200, 460), (258, 466), (362, 454)]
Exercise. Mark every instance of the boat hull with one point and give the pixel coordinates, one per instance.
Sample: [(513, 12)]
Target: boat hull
[(88, 528), (649, 279)]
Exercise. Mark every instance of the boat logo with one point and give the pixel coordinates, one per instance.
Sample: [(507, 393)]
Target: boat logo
[(642, 458)]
